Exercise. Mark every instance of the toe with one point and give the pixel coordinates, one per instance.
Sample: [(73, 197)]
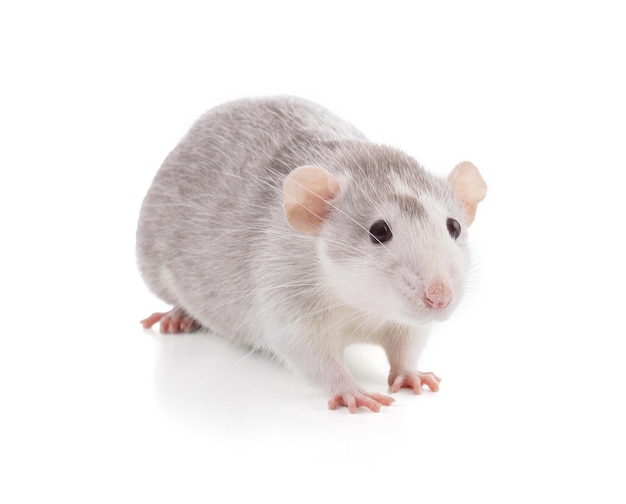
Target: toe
[(383, 399), (397, 384), (351, 404), (416, 385), (175, 325), (431, 380), (371, 405), (147, 323)]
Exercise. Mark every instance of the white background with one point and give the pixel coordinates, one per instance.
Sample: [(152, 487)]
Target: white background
[(531, 409)]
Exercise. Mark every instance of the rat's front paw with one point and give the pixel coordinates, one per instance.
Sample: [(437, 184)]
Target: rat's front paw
[(353, 399), (413, 380)]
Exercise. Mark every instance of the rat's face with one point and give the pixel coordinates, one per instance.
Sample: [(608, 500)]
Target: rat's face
[(396, 248), (392, 238)]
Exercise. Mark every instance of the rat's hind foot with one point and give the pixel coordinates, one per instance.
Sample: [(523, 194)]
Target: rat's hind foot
[(413, 380), (172, 322), (352, 400)]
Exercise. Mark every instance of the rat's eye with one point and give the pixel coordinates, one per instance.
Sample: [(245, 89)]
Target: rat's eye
[(454, 228), (380, 232)]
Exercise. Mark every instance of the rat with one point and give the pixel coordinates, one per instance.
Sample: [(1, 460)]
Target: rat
[(281, 227)]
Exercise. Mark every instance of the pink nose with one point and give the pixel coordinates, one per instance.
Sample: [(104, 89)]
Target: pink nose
[(438, 294)]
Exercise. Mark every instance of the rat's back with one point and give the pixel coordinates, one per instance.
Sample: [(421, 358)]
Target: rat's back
[(205, 217)]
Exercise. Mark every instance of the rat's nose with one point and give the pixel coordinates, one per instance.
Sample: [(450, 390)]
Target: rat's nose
[(438, 294)]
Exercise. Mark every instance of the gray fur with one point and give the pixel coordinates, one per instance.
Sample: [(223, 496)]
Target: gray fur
[(213, 239)]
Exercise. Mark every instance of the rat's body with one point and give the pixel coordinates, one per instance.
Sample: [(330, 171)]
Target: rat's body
[(297, 261)]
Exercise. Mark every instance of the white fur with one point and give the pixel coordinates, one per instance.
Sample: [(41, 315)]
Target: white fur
[(213, 240)]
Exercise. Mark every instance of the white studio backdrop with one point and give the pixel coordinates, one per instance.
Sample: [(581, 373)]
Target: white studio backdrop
[(92, 99)]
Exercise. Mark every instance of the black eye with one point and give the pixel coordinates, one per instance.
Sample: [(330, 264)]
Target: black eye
[(454, 228), (380, 232)]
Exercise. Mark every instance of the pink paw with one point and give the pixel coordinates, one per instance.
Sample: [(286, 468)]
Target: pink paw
[(172, 322), (413, 380), (353, 399)]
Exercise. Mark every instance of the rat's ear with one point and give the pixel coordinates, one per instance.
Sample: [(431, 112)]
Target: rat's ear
[(306, 192), (469, 186)]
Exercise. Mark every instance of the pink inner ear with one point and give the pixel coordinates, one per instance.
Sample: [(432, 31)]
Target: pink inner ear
[(306, 192), (469, 186)]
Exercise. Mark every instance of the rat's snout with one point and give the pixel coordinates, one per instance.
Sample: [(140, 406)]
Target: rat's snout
[(438, 294)]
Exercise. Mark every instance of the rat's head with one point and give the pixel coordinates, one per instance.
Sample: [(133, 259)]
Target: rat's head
[(392, 237)]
